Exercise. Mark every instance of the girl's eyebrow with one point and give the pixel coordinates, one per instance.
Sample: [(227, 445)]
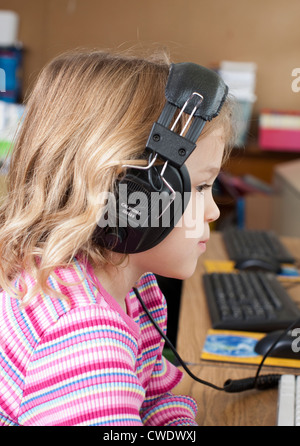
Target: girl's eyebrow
[(210, 169), (214, 169)]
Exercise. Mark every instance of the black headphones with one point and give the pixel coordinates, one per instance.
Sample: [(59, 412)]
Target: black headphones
[(199, 92), (149, 201)]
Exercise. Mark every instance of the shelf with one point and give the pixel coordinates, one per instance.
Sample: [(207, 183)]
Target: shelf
[(260, 163)]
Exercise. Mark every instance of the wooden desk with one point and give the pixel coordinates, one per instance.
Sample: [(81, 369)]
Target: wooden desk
[(215, 408)]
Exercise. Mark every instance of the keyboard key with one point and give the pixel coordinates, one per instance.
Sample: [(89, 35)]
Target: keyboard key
[(245, 244), (248, 301), (286, 401)]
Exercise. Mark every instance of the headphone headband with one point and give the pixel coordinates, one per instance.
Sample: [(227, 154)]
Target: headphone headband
[(140, 224), (195, 90), (186, 78)]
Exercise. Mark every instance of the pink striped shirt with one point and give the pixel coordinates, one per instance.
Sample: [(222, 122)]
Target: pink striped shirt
[(85, 361)]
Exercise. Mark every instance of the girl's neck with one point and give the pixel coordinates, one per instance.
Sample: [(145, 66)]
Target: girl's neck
[(118, 280)]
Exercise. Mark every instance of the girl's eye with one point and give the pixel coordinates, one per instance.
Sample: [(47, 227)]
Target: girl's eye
[(202, 187)]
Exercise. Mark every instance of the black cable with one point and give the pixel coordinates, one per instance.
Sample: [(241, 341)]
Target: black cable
[(231, 386), (290, 327), (169, 343)]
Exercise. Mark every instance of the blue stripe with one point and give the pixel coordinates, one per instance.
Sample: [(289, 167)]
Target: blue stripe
[(17, 325), (79, 335), (115, 421), (167, 405), (90, 389), (90, 290), (14, 371)]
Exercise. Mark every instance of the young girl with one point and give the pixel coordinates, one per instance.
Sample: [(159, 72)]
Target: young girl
[(76, 347)]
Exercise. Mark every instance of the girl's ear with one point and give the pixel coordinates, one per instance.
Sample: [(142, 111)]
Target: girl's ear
[(145, 208)]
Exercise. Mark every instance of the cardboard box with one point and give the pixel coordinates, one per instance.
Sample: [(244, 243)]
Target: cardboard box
[(258, 211), (286, 208)]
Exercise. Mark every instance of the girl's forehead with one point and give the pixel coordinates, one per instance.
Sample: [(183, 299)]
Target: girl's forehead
[(208, 155)]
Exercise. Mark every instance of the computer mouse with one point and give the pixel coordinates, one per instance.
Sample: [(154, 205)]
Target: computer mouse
[(286, 347), (259, 263)]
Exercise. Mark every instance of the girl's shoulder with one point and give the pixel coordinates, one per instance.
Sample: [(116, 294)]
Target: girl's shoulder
[(151, 296), (68, 287)]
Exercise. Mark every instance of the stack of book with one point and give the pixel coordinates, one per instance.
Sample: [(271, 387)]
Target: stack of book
[(241, 80), (279, 130)]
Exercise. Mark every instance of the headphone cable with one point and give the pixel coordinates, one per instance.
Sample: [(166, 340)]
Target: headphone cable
[(169, 343), (281, 335), (262, 382)]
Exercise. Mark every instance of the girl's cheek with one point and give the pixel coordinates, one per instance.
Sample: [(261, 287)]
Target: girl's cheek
[(193, 217)]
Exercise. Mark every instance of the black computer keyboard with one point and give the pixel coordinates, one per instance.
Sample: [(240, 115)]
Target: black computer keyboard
[(245, 244), (248, 301)]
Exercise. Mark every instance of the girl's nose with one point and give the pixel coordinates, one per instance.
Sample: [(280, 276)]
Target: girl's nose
[(212, 212)]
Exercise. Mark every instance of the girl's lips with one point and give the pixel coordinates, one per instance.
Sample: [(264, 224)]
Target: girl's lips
[(202, 245), (203, 241)]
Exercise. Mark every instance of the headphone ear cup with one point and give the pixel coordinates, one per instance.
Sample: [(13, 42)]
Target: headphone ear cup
[(147, 209), (179, 180)]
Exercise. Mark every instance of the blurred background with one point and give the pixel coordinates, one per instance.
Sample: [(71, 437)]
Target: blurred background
[(265, 32), (254, 44)]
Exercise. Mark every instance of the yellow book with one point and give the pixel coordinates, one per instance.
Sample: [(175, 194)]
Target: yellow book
[(239, 347), (219, 266)]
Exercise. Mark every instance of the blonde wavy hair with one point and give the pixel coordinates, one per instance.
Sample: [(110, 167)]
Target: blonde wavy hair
[(90, 113)]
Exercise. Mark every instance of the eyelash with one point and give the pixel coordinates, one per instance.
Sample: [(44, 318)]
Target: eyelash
[(202, 187)]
